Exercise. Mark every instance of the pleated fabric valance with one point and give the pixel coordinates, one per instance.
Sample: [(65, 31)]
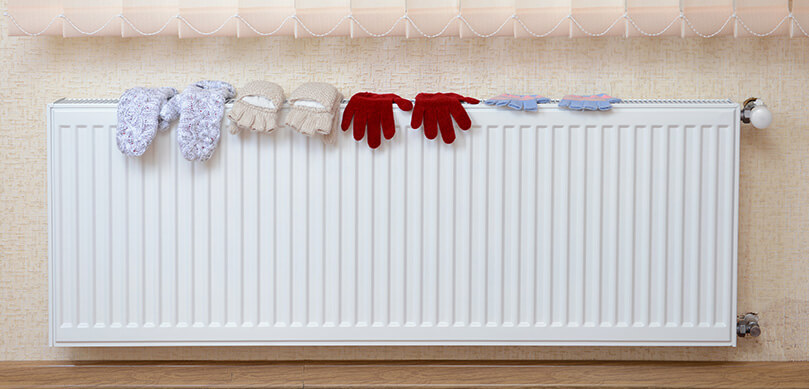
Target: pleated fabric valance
[(410, 18)]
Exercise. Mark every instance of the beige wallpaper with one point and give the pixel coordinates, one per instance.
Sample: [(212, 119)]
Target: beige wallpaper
[(774, 214)]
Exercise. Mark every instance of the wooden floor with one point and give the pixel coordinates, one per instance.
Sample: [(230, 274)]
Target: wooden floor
[(405, 374)]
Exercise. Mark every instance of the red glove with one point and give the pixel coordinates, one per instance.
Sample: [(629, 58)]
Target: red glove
[(371, 108), (435, 109)]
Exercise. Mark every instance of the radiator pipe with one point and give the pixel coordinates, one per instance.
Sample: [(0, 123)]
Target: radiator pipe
[(747, 324)]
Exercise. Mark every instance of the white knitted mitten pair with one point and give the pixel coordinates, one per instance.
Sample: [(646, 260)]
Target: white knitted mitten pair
[(139, 118), (200, 109)]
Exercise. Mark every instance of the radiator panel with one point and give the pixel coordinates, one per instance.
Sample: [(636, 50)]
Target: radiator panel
[(557, 227)]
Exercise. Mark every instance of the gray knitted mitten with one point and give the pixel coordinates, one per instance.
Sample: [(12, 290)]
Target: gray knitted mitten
[(256, 107), (200, 108), (314, 110), (139, 118)]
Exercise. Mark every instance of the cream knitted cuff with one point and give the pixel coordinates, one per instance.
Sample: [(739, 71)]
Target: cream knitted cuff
[(314, 110), (256, 107)]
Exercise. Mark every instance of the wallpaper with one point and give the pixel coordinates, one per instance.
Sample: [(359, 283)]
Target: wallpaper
[(774, 206)]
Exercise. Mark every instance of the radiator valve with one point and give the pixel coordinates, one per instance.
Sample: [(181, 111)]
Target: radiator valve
[(747, 324), (756, 113)]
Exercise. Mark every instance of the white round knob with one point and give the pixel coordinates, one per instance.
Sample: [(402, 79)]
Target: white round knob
[(760, 117)]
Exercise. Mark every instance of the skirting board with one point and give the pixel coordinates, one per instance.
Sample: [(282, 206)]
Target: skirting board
[(405, 374)]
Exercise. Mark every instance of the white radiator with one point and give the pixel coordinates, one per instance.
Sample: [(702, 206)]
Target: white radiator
[(548, 228)]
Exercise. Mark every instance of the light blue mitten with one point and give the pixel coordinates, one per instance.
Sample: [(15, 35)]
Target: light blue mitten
[(518, 102), (599, 102)]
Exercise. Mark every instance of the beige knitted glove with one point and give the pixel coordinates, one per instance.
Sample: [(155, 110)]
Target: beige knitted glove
[(256, 107), (314, 110)]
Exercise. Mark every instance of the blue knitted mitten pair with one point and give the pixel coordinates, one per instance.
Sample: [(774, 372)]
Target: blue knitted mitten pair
[(518, 102), (599, 102)]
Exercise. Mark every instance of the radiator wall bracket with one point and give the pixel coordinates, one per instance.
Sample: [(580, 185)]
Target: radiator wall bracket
[(747, 324)]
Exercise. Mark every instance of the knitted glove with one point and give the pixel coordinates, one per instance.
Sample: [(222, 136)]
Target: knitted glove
[(518, 102), (373, 109), (600, 102), (434, 109), (314, 110), (200, 108), (256, 107), (139, 118)]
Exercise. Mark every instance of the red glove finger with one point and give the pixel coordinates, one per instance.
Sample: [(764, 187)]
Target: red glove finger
[(388, 124), (404, 105), (374, 132), (460, 116), (445, 122), (348, 113), (359, 125), (418, 113), (430, 124), (470, 100), (455, 96)]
